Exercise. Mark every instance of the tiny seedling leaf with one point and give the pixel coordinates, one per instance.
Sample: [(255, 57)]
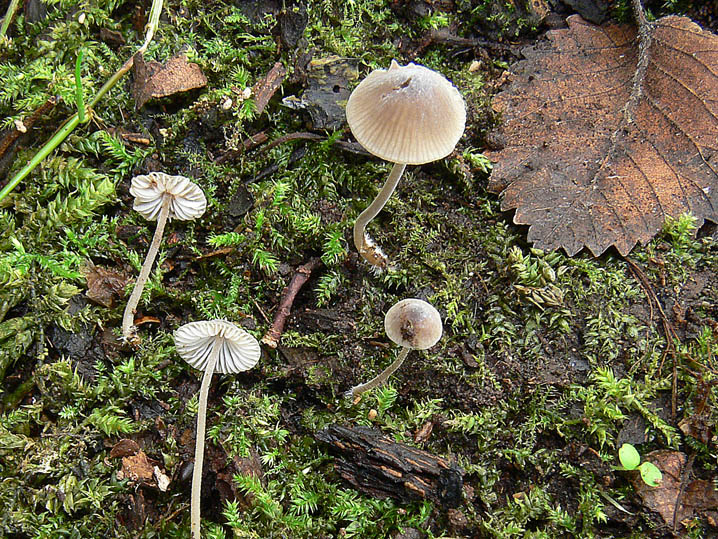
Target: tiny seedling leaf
[(650, 474), (629, 457)]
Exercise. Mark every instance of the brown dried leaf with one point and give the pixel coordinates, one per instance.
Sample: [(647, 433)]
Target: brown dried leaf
[(601, 148), (103, 285), (424, 433), (698, 495), (154, 80), (124, 448), (136, 468)]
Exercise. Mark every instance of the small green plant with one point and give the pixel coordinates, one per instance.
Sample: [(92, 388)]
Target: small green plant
[(631, 460), (80, 116)]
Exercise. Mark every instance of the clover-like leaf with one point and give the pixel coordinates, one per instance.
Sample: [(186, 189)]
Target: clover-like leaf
[(629, 457), (650, 474)]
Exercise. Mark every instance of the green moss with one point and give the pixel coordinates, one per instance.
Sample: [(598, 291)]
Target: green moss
[(542, 353)]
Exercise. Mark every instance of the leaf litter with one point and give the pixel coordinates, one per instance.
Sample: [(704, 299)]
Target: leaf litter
[(608, 131), (676, 498)]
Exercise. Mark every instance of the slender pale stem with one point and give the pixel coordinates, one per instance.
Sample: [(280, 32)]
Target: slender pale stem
[(128, 319), (9, 14), (199, 440), (374, 208), (79, 96), (74, 120), (379, 378)]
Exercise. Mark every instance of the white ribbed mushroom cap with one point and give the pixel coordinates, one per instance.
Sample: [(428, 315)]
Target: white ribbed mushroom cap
[(413, 323), (407, 114), (188, 200), (194, 342)]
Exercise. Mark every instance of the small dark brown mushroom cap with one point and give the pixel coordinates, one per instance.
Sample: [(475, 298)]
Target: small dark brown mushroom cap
[(413, 323), (406, 114), (194, 342), (188, 201)]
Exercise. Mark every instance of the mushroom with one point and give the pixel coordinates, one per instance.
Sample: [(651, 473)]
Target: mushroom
[(407, 115), (159, 196), (413, 324), (211, 346)]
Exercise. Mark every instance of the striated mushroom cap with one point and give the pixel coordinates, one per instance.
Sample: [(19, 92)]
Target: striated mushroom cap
[(407, 114), (413, 323), (188, 200), (194, 342)]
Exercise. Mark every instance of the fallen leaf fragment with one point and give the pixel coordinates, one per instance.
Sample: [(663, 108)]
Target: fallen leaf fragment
[(163, 482), (136, 468), (601, 148), (104, 285), (153, 80), (697, 496), (424, 433), (142, 320), (124, 448)]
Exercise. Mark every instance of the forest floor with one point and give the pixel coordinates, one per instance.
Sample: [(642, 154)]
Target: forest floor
[(547, 366)]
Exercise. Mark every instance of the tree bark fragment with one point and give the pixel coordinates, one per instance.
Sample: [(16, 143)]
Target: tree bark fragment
[(376, 465)]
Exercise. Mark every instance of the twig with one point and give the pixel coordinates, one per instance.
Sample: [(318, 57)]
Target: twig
[(274, 333), (303, 135), (247, 144), (684, 480), (28, 122), (295, 156), (261, 137), (668, 330)]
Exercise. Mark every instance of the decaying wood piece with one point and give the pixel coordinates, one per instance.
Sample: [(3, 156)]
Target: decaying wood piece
[(376, 465), (265, 88)]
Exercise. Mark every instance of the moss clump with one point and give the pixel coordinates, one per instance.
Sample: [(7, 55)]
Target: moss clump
[(546, 362)]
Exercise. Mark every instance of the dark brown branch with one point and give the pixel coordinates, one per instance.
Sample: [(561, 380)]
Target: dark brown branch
[(378, 466), (271, 338), (261, 137)]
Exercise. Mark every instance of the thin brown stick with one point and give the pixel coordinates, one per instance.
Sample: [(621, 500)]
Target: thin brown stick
[(28, 122), (261, 137), (668, 330), (247, 144), (274, 333), (685, 475), (305, 135)]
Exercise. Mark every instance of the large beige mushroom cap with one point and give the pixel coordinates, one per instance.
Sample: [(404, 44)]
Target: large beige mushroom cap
[(239, 350), (408, 114), (413, 323), (188, 201)]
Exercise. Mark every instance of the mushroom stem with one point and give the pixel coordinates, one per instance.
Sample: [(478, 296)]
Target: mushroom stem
[(199, 441), (128, 318), (379, 378), (362, 242)]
